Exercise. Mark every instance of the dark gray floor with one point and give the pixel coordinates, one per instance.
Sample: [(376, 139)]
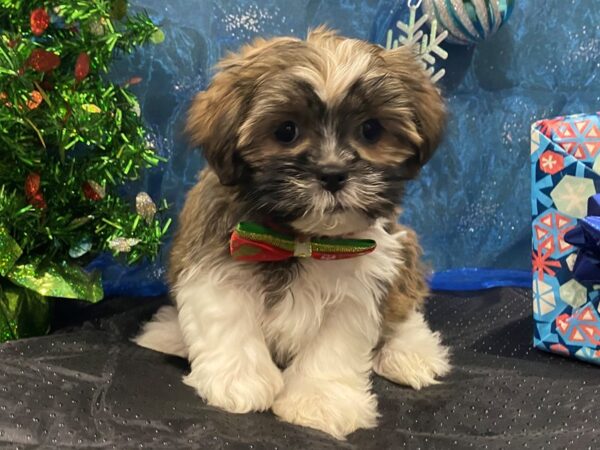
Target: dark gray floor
[(87, 385)]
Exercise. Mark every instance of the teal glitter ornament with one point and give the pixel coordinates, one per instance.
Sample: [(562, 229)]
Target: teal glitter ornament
[(469, 21)]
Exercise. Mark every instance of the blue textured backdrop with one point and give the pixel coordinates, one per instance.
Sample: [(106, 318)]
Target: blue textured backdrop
[(471, 205)]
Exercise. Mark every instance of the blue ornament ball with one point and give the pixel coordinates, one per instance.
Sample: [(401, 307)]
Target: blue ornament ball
[(469, 21)]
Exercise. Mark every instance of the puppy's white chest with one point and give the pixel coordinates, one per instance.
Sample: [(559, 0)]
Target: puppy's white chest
[(321, 287)]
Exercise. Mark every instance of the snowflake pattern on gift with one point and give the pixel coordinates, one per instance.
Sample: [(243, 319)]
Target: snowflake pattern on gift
[(545, 295), (580, 138), (552, 162), (547, 126), (581, 328), (542, 264), (548, 234), (574, 293), (571, 193)]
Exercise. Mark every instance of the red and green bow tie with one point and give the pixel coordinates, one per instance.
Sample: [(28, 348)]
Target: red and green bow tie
[(253, 242)]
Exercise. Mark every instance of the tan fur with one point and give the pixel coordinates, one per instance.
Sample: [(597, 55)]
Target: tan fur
[(348, 60), (205, 223), (427, 105), (410, 289)]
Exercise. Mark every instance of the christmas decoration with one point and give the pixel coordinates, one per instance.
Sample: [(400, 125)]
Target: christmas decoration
[(39, 21), (93, 191), (23, 313), (69, 139), (43, 60), (97, 28), (145, 206), (32, 191), (82, 66), (9, 251), (157, 37), (60, 280), (468, 21), (32, 184), (91, 108), (425, 45), (566, 231), (81, 248), (35, 100), (38, 201), (122, 245)]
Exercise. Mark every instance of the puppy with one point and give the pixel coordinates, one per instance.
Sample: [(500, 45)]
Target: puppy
[(315, 139)]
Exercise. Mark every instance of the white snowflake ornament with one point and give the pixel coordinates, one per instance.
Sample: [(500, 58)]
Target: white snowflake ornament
[(426, 46)]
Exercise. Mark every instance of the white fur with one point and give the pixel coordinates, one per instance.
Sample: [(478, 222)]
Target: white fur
[(231, 365), (414, 355), (327, 325), (163, 333), (343, 65)]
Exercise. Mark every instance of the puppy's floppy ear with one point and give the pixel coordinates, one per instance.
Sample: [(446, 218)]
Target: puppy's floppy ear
[(213, 122), (429, 112), (217, 114)]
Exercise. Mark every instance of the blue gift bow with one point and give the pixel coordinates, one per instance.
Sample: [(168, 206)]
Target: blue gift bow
[(586, 236)]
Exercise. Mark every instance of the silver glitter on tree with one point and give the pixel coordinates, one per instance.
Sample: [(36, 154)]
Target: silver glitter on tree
[(145, 206), (122, 245)]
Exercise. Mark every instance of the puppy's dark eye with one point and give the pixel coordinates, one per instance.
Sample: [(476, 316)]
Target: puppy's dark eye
[(371, 130), (287, 132)]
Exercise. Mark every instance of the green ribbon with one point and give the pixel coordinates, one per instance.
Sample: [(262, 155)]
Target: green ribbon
[(62, 280), (26, 286), (23, 313), (257, 232), (9, 251)]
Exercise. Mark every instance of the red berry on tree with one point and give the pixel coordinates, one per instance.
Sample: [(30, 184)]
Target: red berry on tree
[(35, 99), (93, 191), (32, 184), (42, 60), (38, 201), (82, 66), (39, 21)]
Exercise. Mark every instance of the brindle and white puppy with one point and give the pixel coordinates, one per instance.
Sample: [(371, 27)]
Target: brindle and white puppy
[(318, 136)]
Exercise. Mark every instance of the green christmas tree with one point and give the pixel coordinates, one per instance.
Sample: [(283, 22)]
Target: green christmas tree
[(69, 138)]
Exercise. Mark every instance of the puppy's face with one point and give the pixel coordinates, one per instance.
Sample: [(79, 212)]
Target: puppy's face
[(319, 134)]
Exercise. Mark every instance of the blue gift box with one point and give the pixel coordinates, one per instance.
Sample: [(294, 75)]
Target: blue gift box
[(565, 173)]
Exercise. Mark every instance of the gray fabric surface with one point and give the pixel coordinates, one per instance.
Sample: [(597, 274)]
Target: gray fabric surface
[(88, 386)]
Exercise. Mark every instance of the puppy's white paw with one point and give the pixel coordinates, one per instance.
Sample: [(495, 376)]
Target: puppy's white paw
[(415, 364), (244, 390), (334, 407), (163, 334)]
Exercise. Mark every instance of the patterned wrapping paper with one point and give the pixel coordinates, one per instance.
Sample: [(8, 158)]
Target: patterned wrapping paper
[(565, 172)]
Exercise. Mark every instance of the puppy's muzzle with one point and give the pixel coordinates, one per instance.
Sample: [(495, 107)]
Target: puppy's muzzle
[(332, 178)]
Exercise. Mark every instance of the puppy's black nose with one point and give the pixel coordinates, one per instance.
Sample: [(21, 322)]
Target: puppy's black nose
[(332, 178)]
